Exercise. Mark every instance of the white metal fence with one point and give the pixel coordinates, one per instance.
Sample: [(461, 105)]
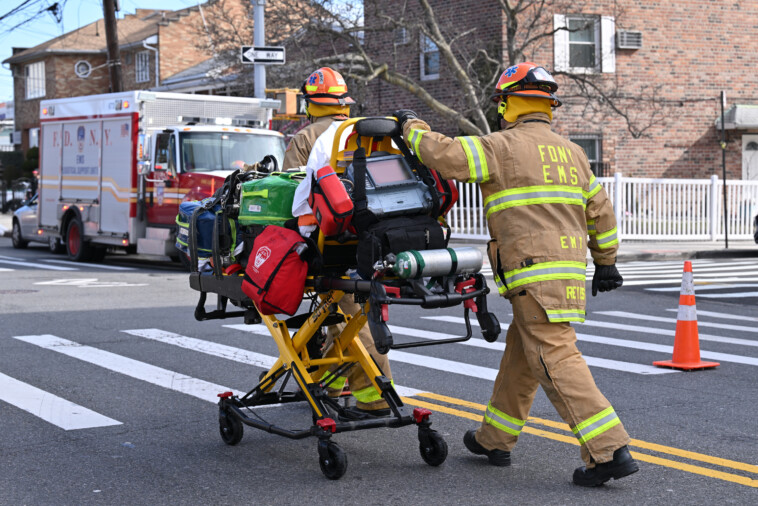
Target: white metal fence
[(648, 209)]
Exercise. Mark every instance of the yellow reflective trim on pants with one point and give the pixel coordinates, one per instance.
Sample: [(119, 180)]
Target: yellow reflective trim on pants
[(596, 425), (502, 421), (546, 271), (337, 384), (607, 239), (369, 394), (565, 315), (501, 288)]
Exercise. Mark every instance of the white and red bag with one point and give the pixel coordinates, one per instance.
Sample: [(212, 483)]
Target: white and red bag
[(276, 271), (332, 206)]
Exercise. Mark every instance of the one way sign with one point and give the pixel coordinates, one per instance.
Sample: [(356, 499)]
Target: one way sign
[(269, 55)]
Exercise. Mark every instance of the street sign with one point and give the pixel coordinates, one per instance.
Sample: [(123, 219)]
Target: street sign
[(267, 55)]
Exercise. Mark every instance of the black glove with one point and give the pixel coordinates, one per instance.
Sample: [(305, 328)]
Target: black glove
[(404, 115), (606, 278)]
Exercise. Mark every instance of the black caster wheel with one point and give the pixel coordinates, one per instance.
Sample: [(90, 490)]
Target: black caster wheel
[(433, 447), (229, 427), (332, 460)]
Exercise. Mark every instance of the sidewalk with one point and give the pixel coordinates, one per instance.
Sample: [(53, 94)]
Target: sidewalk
[(630, 250)]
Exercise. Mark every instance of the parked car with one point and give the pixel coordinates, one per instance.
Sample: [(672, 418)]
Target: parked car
[(25, 228), (755, 228)]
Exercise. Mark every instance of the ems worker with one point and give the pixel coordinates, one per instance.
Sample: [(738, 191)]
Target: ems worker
[(328, 104), (542, 203)]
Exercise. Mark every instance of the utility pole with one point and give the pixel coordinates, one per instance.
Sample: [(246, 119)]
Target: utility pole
[(111, 37), (259, 40)]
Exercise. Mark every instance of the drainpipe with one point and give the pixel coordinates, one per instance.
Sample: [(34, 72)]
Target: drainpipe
[(153, 40)]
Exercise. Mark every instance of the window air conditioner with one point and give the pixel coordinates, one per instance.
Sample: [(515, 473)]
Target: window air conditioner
[(628, 40)]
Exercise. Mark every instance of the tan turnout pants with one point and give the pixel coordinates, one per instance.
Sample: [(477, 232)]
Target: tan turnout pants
[(360, 385), (541, 353)]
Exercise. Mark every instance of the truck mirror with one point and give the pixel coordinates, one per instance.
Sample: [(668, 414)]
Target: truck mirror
[(143, 167), (143, 149)]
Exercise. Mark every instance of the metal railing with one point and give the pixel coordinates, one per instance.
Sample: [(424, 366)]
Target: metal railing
[(647, 209)]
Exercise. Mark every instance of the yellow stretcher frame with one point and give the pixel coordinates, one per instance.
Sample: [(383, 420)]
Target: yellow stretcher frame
[(295, 360)]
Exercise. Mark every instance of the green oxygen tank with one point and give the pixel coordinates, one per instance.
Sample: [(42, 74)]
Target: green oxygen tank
[(437, 262)]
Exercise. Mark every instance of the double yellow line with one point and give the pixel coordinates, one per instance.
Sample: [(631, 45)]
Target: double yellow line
[(643, 457)]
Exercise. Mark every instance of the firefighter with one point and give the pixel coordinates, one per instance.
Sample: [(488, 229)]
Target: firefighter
[(328, 103), (544, 207)]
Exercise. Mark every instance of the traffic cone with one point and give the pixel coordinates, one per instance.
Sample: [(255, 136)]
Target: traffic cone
[(686, 340)]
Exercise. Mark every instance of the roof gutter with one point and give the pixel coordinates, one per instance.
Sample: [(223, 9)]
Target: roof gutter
[(153, 39)]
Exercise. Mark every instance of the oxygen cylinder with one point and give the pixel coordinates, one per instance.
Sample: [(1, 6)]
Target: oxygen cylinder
[(437, 262)]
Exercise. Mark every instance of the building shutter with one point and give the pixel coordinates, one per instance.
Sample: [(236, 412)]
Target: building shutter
[(560, 44), (607, 44)]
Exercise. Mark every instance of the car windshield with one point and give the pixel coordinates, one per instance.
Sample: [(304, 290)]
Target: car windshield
[(204, 151)]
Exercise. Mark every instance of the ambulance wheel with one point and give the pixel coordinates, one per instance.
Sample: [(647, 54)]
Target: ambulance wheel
[(17, 238), (229, 427), (77, 249), (55, 246), (433, 448), (332, 460)]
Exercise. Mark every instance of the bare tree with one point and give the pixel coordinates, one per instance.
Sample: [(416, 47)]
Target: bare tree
[(358, 37)]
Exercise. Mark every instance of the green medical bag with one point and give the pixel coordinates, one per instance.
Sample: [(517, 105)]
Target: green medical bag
[(268, 201)]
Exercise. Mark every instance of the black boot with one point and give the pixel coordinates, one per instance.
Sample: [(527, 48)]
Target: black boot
[(622, 465), (500, 458)]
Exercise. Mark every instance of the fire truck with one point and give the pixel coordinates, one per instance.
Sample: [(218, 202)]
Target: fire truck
[(115, 167)]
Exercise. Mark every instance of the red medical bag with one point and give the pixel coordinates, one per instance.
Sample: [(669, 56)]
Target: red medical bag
[(275, 274)]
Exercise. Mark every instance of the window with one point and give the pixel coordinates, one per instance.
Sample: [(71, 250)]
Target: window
[(584, 44), (35, 80), (34, 137), (592, 145), (143, 67), (401, 36), (430, 59)]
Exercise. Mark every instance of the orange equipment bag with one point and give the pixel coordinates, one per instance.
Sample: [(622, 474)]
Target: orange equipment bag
[(330, 202)]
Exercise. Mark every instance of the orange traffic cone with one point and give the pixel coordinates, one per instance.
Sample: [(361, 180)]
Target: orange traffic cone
[(686, 340)]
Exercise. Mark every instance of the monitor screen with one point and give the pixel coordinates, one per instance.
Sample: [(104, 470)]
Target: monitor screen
[(388, 171)]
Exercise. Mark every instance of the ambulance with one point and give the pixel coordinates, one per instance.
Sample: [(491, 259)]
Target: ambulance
[(115, 167)]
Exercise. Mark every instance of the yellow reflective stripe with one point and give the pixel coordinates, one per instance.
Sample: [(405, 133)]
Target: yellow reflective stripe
[(311, 88), (338, 383), (368, 394), (565, 315), (596, 425), (530, 195), (335, 89), (504, 422), (607, 239), (501, 288), (591, 229), (595, 187), (546, 271), (477, 162), (413, 141)]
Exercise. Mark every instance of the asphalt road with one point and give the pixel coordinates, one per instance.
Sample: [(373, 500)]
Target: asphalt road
[(105, 374)]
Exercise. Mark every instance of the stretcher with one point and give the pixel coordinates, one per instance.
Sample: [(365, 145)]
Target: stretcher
[(298, 374)]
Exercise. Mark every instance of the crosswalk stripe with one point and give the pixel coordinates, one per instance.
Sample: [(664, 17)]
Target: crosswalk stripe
[(50, 408), (97, 266), (728, 316), (635, 316), (36, 265), (481, 343), (698, 280), (2, 269), (678, 267), (640, 345), (728, 295), (133, 368), (701, 287), (667, 332)]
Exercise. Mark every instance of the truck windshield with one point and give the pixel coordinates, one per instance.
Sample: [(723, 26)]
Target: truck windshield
[(204, 151)]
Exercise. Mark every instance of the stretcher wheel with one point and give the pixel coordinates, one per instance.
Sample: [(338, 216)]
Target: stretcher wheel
[(433, 447), (229, 427), (332, 460)]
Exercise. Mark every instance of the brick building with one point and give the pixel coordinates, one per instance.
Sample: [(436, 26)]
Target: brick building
[(74, 63), (664, 63)]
